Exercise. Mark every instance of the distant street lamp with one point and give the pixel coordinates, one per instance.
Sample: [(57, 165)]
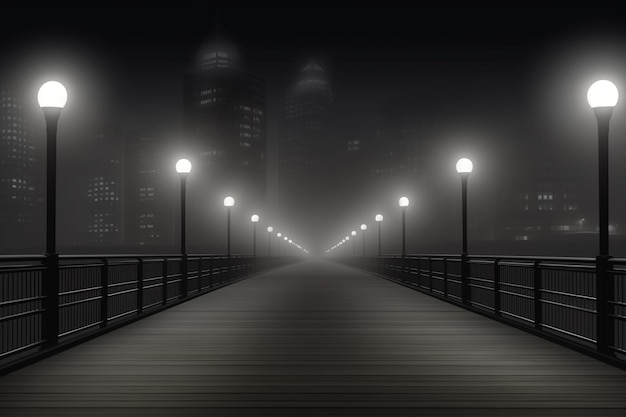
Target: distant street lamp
[(404, 203), (52, 97), (464, 167), (270, 229), (279, 235), (183, 168), (602, 97), (379, 220), (353, 234), (229, 202), (363, 228), (254, 219)]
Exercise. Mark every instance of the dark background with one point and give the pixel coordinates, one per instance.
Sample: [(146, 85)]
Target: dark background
[(488, 73)]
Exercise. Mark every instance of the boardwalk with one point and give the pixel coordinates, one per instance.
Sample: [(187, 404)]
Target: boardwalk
[(315, 339)]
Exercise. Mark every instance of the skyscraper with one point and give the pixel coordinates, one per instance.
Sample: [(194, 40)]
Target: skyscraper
[(20, 196), (308, 150)]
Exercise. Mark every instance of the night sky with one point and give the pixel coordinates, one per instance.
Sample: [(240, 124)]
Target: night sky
[(483, 68)]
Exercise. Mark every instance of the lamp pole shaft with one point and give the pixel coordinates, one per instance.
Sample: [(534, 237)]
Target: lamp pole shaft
[(464, 210), (379, 245), (183, 228), (269, 244), (603, 114), (403, 232), (228, 231), (363, 243), (254, 239), (50, 318)]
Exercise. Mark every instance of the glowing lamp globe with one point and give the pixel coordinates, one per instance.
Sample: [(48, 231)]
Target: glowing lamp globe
[(254, 218), (229, 201), (363, 227), (285, 238), (464, 166), (404, 202), (379, 218), (353, 233), (279, 234), (270, 229), (183, 166), (602, 93), (347, 237), (52, 94)]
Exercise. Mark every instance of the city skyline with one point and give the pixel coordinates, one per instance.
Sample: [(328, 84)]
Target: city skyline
[(468, 84)]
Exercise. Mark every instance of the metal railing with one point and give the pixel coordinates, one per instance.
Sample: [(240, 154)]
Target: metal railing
[(96, 293), (579, 302)]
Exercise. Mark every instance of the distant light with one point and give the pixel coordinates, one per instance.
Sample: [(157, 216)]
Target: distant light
[(52, 94), (183, 166), (254, 218), (602, 93), (270, 229), (464, 166), (379, 218), (353, 233), (347, 237), (363, 227), (404, 202), (229, 201), (291, 241), (279, 234), (285, 238)]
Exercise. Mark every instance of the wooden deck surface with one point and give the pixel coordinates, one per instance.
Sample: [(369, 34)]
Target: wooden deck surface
[(315, 339)]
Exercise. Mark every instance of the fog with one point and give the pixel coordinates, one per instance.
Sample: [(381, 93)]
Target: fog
[(407, 103)]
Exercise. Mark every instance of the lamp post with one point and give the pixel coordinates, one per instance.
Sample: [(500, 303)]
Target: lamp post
[(183, 168), (363, 228), (602, 97), (464, 167), (270, 229), (278, 235), (403, 203), (254, 219), (379, 220), (52, 97), (353, 234), (229, 202)]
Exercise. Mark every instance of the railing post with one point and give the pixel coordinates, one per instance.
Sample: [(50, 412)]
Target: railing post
[(184, 284), (430, 274), (537, 295), (104, 293), (465, 291), (604, 327), (496, 287), (445, 277), (140, 286), (199, 274), (164, 294), (50, 319)]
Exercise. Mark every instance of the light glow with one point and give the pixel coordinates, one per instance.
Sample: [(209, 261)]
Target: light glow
[(183, 166), (363, 227), (254, 218), (602, 93), (464, 166), (404, 201), (379, 218), (229, 201), (52, 94)]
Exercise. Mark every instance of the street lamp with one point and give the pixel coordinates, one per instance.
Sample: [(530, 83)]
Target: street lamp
[(602, 97), (229, 202), (270, 229), (379, 220), (183, 168), (363, 228), (464, 167), (403, 203), (353, 234), (254, 219), (52, 97)]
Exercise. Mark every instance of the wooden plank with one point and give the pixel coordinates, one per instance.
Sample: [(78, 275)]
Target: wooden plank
[(319, 339)]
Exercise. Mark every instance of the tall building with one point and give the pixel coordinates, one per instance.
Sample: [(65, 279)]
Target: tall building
[(105, 189), (148, 200), (224, 122), (21, 198), (309, 154)]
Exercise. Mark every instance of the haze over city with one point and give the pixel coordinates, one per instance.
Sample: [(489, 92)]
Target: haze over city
[(408, 89)]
